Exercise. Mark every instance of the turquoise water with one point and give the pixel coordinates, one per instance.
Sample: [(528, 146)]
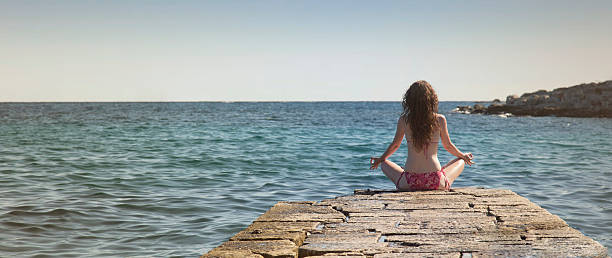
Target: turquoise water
[(178, 179)]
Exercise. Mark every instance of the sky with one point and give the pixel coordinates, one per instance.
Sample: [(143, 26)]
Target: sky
[(297, 50)]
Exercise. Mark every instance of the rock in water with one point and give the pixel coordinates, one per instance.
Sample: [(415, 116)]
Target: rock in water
[(584, 100), (478, 109), (463, 109)]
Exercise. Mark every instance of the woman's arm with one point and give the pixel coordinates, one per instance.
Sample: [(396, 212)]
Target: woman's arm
[(395, 144), (448, 145)]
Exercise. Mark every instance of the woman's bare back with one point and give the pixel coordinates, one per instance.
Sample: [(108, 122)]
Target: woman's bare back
[(426, 159)]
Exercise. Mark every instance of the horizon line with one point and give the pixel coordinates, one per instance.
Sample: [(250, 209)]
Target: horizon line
[(218, 101)]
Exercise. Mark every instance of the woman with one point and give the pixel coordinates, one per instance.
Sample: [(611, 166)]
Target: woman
[(423, 129)]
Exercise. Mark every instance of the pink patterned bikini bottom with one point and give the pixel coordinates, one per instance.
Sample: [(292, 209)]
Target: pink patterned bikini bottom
[(424, 181)]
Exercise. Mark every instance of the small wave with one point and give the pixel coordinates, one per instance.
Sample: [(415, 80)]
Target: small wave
[(566, 144), (359, 148), (54, 212), (13, 224), (33, 229), (198, 220), (270, 185), (100, 195), (21, 208), (273, 118), (144, 238)]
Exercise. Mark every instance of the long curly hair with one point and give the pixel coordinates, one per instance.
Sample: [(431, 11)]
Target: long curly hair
[(420, 105)]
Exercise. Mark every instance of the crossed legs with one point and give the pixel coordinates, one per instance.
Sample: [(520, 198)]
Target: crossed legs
[(453, 169), (391, 170)]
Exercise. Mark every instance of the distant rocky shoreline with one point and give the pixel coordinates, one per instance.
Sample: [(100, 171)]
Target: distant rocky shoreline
[(584, 100)]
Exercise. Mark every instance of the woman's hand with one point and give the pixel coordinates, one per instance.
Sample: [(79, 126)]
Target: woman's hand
[(468, 157), (375, 161)]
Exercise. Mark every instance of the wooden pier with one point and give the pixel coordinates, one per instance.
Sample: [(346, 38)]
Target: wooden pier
[(464, 222)]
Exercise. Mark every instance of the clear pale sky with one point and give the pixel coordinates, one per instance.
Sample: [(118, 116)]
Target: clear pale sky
[(297, 50)]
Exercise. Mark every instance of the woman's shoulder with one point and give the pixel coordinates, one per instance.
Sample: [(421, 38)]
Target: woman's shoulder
[(441, 120)]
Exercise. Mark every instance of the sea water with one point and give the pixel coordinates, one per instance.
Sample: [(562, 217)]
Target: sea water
[(178, 179)]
